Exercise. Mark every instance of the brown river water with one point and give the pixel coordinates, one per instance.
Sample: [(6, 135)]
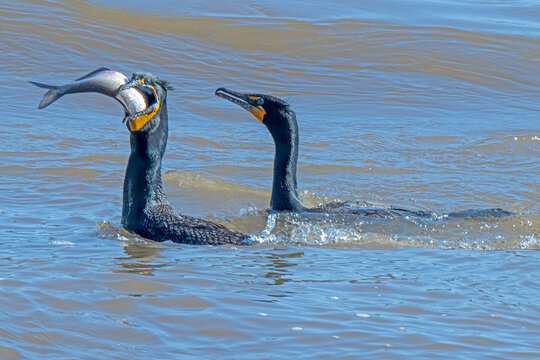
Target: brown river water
[(427, 105)]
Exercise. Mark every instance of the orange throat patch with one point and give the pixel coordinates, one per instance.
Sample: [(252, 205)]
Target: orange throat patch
[(137, 123), (259, 112)]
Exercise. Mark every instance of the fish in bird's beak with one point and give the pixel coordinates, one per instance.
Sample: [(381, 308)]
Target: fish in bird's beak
[(251, 102), (137, 119), (103, 81)]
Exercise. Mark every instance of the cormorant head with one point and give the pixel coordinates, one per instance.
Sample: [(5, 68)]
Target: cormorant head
[(154, 91), (275, 113)]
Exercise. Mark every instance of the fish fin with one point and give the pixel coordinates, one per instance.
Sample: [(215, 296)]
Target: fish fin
[(45, 86), (50, 96), (93, 73)]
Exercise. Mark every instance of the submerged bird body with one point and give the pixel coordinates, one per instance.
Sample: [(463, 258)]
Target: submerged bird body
[(280, 119), (145, 209)]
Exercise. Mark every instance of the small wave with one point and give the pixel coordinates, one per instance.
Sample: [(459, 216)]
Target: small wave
[(437, 138), (318, 144), (530, 242), (527, 138), (332, 169), (202, 141), (108, 230), (62, 243), (188, 179)]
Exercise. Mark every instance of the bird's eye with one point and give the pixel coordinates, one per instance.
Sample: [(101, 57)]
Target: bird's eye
[(260, 101), (147, 81)]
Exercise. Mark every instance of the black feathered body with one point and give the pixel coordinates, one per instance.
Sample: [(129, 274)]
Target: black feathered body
[(161, 223), (146, 210)]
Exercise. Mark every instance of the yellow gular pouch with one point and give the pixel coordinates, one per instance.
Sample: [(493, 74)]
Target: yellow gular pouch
[(138, 122), (258, 111)]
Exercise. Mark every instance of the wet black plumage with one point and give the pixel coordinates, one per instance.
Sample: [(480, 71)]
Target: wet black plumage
[(163, 223)]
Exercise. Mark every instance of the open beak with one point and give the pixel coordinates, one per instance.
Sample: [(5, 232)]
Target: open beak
[(137, 119), (243, 100)]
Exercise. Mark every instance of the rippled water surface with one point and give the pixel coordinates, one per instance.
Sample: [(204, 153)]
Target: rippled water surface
[(424, 105)]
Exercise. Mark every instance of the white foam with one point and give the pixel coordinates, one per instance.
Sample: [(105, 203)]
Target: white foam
[(362, 315), (66, 243)]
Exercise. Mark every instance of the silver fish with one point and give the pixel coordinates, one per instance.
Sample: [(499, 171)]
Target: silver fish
[(102, 81)]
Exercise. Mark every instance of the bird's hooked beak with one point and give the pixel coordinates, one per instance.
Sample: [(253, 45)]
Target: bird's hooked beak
[(139, 119), (250, 102)]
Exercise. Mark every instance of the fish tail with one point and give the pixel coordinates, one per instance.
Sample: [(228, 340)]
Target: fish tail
[(53, 94)]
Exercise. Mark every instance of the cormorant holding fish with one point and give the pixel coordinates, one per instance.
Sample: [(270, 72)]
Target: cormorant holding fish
[(278, 116), (146, 210)]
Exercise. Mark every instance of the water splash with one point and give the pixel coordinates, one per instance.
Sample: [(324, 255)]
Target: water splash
[(333, 230)]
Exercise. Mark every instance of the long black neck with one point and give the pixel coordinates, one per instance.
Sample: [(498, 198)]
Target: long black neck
[(143, 187), (284, 189)]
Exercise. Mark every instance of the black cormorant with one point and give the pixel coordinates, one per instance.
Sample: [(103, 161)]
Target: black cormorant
[(278, 116), (146, 210)]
